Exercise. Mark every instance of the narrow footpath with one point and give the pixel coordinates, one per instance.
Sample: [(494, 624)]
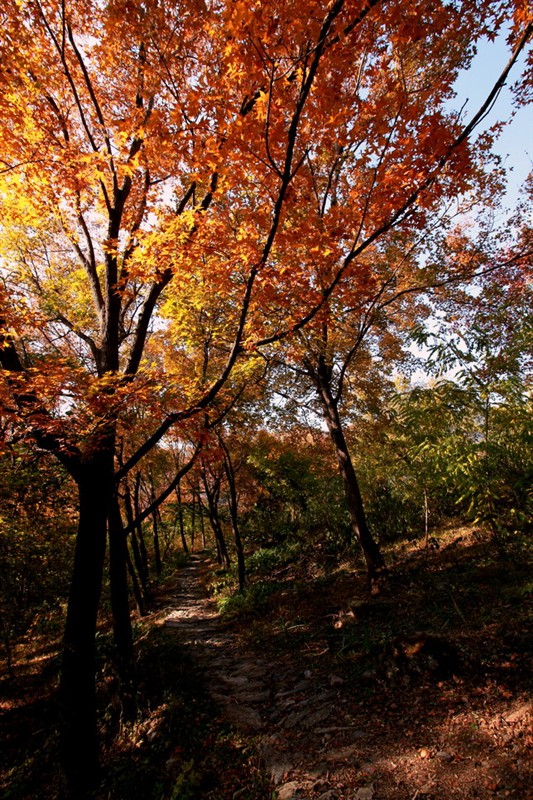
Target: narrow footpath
[(292, 717), (324, 736)]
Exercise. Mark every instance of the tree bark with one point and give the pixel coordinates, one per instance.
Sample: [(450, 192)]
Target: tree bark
[(234, 516), (120, 606), (77, 695), (193, 520), (241, 563), (202, 520), (375, 563), (137, 510), (136, 586), (157, 549), (139, 561), (212, 494), (180, 520), (155, 532)]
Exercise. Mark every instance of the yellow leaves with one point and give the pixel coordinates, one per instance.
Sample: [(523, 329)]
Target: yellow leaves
[(169, 96), (323, 250), (522, 15), (261, 105), (239, 16)]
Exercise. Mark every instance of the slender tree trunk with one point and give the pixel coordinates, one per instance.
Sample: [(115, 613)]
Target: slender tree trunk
[(180, 520), (234, 516), (136, 586), (79, 741), (374, 560), (193, 520), (155, 530), (137, 510), (426, 520), (241, 563), (202, 520), (120, 606), (6, 638), (212, 494), (140, 562), (157, 550)]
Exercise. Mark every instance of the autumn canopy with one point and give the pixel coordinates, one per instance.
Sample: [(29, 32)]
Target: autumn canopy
[(185, 183)]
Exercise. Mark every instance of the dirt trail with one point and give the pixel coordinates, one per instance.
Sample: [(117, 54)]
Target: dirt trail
[(290, 713), (319, 738)]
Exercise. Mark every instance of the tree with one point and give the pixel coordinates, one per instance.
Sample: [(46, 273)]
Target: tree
[(158, 158), (37, 525), (484, 365), (291, 493), (347, 354), (459, 444)]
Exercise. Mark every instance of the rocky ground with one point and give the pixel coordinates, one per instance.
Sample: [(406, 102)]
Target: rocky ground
[(322, 734), (305, 687)]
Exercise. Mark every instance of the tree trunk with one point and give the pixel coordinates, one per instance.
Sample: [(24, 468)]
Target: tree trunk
[(233, 510), (139, 564), (193, 520), (155, 532), (140, 561), (180, 520), (77, 696), (136, 586), (6, 638), (202, 520), (241, 563), (137, 510), (212, 494), (374, 560), (157, 550), (120, 606), (426, 520)]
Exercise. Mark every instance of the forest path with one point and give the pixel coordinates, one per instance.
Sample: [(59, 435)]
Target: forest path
[(290, 714), (324, 735)]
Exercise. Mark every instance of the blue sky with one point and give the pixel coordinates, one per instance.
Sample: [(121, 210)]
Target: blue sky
[(515, 144)]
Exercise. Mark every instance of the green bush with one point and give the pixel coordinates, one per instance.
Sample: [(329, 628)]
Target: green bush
[(250, 602), (263, 561)]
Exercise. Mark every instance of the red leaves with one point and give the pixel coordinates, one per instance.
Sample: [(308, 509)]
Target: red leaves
[(294, 137)]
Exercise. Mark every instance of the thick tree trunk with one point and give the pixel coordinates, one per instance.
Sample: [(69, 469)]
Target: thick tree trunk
[(79, 742), (374, 560)]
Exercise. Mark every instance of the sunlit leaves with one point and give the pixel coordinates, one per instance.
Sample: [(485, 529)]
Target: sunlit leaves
[(181, 181)]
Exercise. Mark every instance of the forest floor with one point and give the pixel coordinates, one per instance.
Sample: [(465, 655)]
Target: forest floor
[(307, 687)]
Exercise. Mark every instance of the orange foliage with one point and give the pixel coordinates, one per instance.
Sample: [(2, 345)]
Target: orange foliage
[(179, 182)]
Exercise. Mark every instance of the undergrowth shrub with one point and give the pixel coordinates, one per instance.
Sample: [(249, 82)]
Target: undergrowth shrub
[(250, 602), (263, 561)]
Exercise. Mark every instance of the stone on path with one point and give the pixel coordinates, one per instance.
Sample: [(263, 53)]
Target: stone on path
[(294, 790), (243, 717), (280, 706), (365, 793)]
